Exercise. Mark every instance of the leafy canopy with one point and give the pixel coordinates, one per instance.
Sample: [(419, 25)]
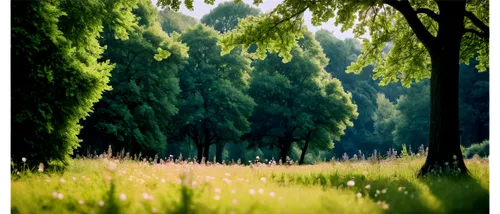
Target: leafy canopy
[(408, 60)]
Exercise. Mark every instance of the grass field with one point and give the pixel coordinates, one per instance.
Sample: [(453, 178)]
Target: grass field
[(100, 186)]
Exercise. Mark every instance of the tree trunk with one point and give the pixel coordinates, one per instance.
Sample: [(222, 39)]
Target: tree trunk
[(284, 150), (303, 154), (304, 150), (199, 147), (444, 139), (219, 149)]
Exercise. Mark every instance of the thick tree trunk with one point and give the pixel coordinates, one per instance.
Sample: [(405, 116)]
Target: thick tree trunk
[(205, 151), (444, 139), (219, 148)]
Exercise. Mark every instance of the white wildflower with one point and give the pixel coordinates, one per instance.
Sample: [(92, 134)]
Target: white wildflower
[(251, 191), (359, 195), (350, 183), (101, 203), (123, 197)]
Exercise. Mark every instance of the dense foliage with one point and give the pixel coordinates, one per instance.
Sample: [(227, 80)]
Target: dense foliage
[(135, 114), (58, 73)]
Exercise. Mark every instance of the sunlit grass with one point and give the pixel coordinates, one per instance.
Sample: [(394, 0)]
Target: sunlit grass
[(139, 187)]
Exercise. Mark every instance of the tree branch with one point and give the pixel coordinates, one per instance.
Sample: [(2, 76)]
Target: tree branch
[(411, 17), (476, 21), (481, 35), (429, 13)]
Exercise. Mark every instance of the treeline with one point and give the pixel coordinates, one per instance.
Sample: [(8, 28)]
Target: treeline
[(166, 89)]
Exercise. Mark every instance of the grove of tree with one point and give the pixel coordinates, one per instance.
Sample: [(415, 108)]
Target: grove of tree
[(239, 83)]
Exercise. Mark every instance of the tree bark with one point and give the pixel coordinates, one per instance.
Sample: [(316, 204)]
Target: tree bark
[(444, 139), (219, 149)]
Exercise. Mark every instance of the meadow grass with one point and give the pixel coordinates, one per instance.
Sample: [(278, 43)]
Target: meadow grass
[(101, 186)]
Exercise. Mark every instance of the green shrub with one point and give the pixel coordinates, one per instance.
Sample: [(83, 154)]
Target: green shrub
[(481, 149)]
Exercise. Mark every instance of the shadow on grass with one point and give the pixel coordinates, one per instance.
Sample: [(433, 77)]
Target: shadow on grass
[(428, 195)]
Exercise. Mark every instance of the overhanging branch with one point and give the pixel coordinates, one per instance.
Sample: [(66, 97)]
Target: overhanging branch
[(478, 23), (428, 12), (411, 17)]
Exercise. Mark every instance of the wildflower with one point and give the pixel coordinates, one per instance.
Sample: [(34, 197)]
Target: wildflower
[(400, 188), (123, 197), (350, 183), (233, 191), (80, 202), (359, 195), (384, 191), (406, 192), (217, 190), (251, 191), (368, 186), (217, 197), (74, 178), (454, 157), (145, 196), (234, 201), (261, 191), (263, 179), (40, 167), (272, 194), (54, 194), (23, 159), (60, 196), (194, 183), (385, 206), (101, 203), (163, 180), (378, 191), (446, 163), (61, 180)]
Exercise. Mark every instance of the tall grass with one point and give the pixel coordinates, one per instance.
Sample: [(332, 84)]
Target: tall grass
[(383, 186)]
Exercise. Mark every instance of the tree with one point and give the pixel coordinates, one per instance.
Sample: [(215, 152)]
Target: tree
[(384, 122), (172, 21), (58, 73), (213, 106), (412, 126), (429, 40), (474, 104), (136, 113), (283, 91), (225, 16), (363, 88)]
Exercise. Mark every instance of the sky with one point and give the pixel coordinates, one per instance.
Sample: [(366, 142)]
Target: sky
[(200, 9)]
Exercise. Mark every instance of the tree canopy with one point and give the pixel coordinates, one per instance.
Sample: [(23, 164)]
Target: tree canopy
[(135, 114), (58, 72), (214, 107)]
